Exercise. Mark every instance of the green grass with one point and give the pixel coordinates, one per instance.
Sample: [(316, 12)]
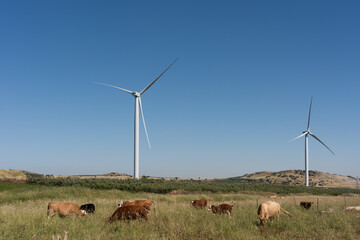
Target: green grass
[(23, 216), (7, 186)]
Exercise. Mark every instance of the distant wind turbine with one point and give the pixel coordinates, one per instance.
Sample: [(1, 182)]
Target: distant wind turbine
[(306, 133), (137, 96)]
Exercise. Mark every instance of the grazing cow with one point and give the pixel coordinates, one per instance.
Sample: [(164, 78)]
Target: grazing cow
[(222, 208), (89, 208), (129, 213), (145, 203), (353, 209), (306, 205), (269, 210), (64, 209), (273, 197), (199, 203)]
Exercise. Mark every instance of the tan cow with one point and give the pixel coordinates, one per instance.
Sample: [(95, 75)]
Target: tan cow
[(199, 203), (148, 204), (64, 209), (129, 213), (353, 209), (222, 208), (270, 210)]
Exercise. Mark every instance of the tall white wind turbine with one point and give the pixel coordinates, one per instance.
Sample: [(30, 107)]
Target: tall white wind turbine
[(137, 96), (306, 134)]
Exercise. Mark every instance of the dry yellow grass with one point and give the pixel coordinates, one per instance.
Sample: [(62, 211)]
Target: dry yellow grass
[(12, 174)]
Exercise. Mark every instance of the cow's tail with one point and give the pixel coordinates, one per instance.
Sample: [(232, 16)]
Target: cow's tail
[(286, 212), (153, 203), (48, 209)]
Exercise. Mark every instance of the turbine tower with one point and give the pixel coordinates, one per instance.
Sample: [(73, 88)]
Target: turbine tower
[(137, 96), (306, 134)]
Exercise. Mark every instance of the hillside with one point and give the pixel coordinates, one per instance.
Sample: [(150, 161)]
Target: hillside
[(297, 178), (286, 177), (20, 175), (16, 175)]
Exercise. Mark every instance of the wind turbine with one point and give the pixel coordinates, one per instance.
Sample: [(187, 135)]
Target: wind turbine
[(137, 96), (306, 134)]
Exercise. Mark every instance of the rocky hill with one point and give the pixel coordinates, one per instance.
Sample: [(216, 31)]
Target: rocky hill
[(20, 176), (297, 178)]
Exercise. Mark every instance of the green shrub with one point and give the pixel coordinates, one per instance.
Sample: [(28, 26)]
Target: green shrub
[(162, 186)]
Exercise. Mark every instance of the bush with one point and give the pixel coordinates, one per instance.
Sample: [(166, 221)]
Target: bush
[(162, 186)]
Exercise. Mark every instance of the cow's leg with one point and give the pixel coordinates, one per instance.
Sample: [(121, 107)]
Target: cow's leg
[(51, 213), (277, 216)]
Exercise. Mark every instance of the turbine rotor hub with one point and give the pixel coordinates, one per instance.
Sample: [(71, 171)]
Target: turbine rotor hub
[(136, 94)]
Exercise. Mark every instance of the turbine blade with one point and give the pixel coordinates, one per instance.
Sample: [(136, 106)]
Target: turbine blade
[(142, 115), (298, 136), (309, 114), (114, 87), (148, 86), (321, 142)]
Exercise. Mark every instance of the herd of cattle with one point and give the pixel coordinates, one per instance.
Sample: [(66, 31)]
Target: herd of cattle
[(131, 210)]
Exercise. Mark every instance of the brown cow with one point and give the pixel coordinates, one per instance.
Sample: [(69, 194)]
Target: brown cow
[(269, 210), (199, 203), (222, 208), (64, 209), (146, 203), (306, 205), (129, 213)]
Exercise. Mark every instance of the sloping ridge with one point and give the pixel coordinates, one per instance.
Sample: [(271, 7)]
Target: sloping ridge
[(16, 175), (297, 178)]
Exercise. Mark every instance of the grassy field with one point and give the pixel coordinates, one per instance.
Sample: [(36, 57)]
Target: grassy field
[(23, 216)]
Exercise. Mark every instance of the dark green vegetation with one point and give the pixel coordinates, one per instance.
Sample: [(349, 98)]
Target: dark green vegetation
[(231, 185)]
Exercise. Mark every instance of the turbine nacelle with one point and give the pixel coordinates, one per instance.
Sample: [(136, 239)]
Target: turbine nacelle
[(136, 94)]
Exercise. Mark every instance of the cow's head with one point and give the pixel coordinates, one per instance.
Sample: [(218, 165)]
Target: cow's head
[(83, 212), (262, 221), (192, 203), (120, 203), (213, 208)]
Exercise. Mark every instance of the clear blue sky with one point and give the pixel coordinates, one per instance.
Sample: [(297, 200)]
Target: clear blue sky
[(228, 107)]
